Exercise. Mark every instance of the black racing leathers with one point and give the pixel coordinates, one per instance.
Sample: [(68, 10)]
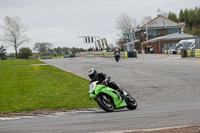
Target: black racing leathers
[(117, 53), (101, 77)]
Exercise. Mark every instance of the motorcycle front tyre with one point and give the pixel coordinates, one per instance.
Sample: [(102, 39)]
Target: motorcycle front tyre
[(117, 59), (103, 105), (132, 105)]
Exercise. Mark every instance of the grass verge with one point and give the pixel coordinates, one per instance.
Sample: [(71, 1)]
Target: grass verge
[(27, 87)]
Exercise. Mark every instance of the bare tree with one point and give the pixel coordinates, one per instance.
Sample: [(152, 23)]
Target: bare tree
[(42, 48), (14, 32), (145, 20), (126, 24)]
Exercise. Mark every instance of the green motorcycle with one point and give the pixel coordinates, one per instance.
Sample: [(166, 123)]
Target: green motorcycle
[(109, 99)]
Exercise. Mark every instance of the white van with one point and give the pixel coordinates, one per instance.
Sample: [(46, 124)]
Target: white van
[(186, 44), (192, 46)]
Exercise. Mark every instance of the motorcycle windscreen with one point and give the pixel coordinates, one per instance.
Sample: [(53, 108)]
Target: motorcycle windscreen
[(92, 86)]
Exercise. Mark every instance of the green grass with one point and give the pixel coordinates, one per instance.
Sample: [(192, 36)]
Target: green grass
[(25, 87), (43, 56), (18, 62)]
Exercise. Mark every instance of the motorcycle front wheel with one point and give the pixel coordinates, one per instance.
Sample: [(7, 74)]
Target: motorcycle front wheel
[(131, 103), (117, 59), (105, 102)]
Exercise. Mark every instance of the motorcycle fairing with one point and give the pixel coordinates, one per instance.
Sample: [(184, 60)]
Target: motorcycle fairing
[(118, 101)]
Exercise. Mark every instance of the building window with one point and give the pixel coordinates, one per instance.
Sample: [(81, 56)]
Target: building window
[(171, 31), (130, 36), (153, 32), (126, 36)]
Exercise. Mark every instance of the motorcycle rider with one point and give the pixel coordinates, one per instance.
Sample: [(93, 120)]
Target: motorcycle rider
[(117, 52), (102, 78), (117, 55)]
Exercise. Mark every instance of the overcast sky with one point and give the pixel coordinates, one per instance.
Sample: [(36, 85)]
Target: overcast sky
[(60, 22)]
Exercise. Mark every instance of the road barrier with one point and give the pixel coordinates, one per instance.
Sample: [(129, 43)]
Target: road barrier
[(98, 54), (179, 52), (111, 55), (185, 53), (92, 54), (132, 54), (191, 53)]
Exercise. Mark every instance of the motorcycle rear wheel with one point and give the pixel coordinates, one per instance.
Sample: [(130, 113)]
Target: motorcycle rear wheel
[(105, 102)]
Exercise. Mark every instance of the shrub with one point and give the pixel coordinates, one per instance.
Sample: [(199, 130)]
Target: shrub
[(2, 53), (24, 53)]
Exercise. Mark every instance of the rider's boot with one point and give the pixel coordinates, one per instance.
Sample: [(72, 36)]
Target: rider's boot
[(124, 94), (121, 91)]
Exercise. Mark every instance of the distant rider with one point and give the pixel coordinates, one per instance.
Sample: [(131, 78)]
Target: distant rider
[(102, 78), (117, 52), (117, 55)]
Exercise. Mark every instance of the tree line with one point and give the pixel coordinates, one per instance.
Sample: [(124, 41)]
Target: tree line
[(47, 49), (42, 49), (14, 34), (191, 17)]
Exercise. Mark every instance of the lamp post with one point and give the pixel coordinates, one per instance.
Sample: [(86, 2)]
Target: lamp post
[(146, 32)]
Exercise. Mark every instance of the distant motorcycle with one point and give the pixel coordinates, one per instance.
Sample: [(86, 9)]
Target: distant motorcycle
[(117, 56), (109, 99)]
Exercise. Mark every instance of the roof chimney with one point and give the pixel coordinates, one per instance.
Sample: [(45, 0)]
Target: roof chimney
[(159, 12)]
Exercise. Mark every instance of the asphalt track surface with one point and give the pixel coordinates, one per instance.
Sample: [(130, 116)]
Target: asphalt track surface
[(167, 89)]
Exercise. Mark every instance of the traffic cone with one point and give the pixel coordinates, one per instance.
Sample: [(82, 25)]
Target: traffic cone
[(168, 54)]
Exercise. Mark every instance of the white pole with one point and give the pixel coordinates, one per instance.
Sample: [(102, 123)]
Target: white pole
[(146, 32)]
